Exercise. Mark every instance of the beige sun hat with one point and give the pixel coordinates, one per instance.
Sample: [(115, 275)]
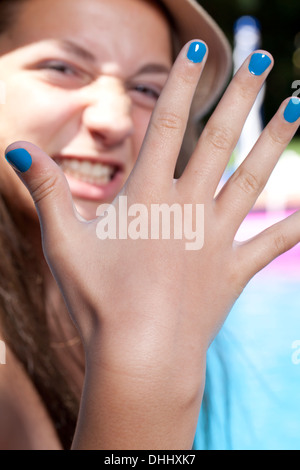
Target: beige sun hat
[(191, 21)]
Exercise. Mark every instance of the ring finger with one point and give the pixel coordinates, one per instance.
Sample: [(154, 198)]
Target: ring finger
[(241, 191)]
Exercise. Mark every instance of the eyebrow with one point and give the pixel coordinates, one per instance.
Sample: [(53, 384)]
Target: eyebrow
[(154, 68), (79, 51), (72, 47)]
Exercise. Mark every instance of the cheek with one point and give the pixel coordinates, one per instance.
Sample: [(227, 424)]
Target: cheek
[(33, 112), (35, 117)]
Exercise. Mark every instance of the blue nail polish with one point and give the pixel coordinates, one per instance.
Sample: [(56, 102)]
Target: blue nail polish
[(196, 52), (292, 111), (259, 63), (19, 159)]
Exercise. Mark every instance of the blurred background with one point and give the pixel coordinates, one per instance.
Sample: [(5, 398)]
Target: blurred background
[(275, 27), (251, 399), (280, 35)]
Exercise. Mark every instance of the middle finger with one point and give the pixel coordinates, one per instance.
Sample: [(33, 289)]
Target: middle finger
[(241, 191)]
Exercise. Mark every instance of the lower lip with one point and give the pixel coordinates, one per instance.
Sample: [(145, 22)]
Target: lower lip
[(93, 192)]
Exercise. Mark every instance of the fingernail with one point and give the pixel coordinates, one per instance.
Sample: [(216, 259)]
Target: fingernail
[(259, 63), (196, 52), (292, 111), (19, 159)]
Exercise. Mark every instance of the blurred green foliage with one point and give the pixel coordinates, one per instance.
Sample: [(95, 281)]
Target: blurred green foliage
[(295, 145), (280, 24)]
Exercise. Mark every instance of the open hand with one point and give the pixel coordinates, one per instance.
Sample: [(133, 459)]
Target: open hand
[(148, 309)]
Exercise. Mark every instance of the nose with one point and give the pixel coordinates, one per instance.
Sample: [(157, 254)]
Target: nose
[(108, 112)]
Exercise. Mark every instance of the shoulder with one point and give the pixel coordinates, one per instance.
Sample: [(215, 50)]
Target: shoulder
[(24, 423)]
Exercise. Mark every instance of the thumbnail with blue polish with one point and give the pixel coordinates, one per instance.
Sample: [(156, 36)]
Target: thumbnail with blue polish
[(19, 159)]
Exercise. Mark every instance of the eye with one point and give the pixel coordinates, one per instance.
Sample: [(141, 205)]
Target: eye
[(59, 66), (63, 73), (145, 94), (148, 91), (151, 92)]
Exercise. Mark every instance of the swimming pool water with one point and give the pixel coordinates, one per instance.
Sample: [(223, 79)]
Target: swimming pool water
[(252, 396)]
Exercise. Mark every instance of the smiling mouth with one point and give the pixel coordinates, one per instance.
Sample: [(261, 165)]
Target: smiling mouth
[(88, 171)]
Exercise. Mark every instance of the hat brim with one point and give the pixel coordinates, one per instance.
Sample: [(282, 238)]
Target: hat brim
[(191, 21)]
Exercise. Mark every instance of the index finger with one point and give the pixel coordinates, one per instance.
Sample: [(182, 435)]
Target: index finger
[(168, 123)]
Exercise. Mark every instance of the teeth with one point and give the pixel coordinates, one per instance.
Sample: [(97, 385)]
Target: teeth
[(87, 171)]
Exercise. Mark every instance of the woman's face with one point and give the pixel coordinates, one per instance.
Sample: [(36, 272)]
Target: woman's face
[(82, 78)]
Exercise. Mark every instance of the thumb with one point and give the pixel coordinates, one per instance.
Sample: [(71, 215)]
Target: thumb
[(48, 187)]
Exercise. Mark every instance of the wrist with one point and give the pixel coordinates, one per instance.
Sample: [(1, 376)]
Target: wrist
[(144, 409)]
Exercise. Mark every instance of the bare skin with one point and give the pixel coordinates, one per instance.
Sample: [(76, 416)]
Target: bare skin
[(146, 326), (25, 423), (149, 349), (105, 103)]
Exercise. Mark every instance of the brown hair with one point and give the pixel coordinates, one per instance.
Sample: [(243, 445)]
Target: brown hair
[(24, 323), (23, 310)]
